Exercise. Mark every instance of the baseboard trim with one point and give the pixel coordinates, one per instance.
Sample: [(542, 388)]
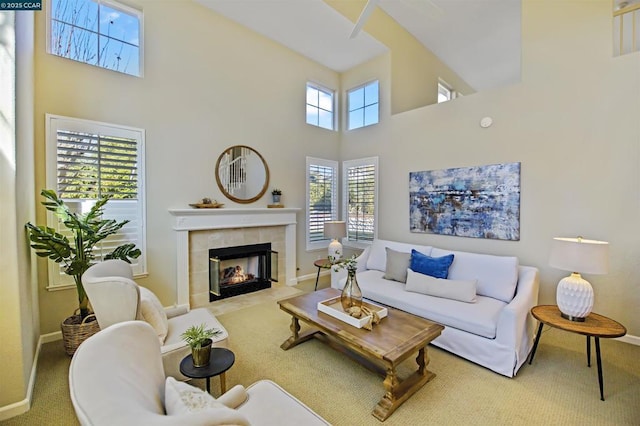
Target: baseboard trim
[(21, 407), (634, 340), (312, 276), (51, 337)]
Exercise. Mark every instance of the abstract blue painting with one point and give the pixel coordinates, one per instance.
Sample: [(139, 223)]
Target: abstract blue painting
[(477, 202)]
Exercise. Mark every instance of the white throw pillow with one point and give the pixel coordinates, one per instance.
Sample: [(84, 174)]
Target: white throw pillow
[(497, 275), (183, 399), (462, 290), (151, 311)]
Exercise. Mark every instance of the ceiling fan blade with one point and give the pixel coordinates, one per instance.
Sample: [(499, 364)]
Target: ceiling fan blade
[(364, 15)]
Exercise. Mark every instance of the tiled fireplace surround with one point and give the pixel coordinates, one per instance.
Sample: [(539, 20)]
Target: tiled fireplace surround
[(198, 230)]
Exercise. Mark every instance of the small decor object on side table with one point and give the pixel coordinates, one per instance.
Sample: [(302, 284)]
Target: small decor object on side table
[(351, 297), (199, 339)]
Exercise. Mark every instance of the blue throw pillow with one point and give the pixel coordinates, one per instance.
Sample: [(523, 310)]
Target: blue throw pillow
[(435, 266)]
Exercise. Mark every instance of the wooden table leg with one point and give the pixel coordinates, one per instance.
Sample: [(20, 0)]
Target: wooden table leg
[(398, 392), (296, 337), (223, 383)]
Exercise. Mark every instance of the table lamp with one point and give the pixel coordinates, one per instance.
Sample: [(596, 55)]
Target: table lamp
[(335, 229), (574, 294)]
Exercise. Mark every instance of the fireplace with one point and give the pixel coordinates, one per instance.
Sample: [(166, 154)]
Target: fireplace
[(241, 269)]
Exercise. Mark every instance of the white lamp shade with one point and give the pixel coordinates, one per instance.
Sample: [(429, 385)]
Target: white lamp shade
[(335, 229), (580, 255)]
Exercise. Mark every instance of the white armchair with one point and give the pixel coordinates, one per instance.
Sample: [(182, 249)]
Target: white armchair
[(115, 297), (116, 378)]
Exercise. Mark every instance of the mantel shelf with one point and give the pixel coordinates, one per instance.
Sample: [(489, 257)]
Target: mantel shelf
[(230, 211)]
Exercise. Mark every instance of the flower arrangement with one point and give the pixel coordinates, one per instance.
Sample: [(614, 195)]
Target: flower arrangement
[(350, 264), (276, 191)]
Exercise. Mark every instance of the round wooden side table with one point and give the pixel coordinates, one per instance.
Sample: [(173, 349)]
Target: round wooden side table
[(321, 264), (595, 326), (220, 360)]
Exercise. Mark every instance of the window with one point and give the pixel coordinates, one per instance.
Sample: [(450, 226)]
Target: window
[(87, 160), (322, 199), (445, 92), (363, 105), (320, 106), (360, 192), (96, 32)]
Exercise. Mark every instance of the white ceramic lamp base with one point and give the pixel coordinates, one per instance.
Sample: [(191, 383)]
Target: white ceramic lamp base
[(574, 297), (335, 250)]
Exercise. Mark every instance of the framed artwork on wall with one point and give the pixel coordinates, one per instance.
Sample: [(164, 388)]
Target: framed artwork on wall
[(477, 202)]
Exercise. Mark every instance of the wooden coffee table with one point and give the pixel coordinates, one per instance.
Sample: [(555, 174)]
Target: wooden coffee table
[(395, 339)]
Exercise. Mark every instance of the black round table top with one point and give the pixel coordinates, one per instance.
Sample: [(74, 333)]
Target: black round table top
[(220, 360)]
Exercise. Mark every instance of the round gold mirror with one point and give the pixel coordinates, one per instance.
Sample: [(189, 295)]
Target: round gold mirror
[(242, 174)]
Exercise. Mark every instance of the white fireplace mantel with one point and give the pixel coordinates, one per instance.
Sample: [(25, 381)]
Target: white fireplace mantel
[(187, 220)]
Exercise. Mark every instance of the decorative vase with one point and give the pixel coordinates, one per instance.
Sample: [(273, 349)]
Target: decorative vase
[(351, 294), (276, 198), (202, 354)]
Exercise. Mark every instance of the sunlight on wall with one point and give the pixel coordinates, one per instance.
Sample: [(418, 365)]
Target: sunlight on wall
[(7, 85)]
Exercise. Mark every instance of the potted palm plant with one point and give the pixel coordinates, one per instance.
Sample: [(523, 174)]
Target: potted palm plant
[(77, 256), (198, 337)]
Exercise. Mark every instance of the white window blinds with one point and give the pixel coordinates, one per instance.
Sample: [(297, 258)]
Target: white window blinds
[(322, 199), (361, 193), (89, 160)]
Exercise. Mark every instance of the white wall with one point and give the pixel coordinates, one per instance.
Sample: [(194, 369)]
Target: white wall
[(572, 123), (208, 84), (19, 330)]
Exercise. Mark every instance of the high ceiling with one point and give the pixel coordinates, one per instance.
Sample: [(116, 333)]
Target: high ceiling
[(478, 39)]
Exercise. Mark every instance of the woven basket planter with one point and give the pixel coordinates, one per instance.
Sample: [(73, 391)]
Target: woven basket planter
[(76, 330)]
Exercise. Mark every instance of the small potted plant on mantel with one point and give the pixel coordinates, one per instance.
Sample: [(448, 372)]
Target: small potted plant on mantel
[(198, 337), (276, 194)]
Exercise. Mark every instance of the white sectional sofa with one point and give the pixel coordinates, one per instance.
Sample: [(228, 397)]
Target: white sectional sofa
[(484, 303)]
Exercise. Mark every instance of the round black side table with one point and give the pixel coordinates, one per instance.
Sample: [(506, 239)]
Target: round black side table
[(220, 360)]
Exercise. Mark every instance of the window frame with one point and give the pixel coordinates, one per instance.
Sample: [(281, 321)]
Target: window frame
[(57, 280), (364, 105), (448, 90), (113, 5), (346, 165), (324, 242), (334, 105)]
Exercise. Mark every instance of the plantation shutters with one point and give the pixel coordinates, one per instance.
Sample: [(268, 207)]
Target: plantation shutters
[(89, 160), (360, 183), (322, 199)]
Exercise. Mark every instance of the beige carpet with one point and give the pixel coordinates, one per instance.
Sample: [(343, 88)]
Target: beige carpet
[(558, 389)]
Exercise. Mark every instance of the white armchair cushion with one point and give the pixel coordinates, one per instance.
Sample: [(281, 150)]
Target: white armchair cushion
[(181, 398), (151, 311)]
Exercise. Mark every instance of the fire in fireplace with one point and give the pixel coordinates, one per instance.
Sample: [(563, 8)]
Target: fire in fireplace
[(241, 269)]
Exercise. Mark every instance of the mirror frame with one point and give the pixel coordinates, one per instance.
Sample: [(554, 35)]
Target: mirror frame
[(236, 199)]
